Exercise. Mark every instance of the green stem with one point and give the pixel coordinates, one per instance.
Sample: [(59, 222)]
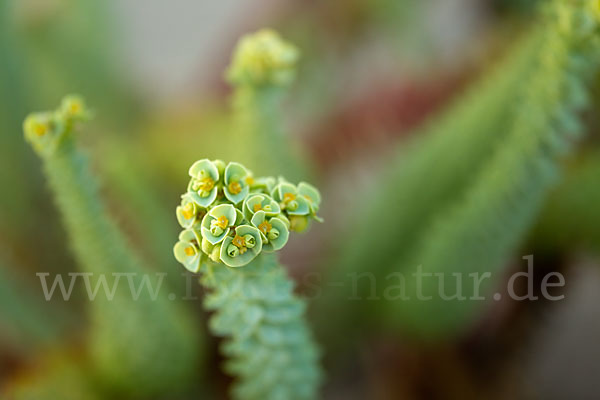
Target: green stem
[(259, 131), (463, 200), (140, 346), (480, 232), (425, 176), (447, 155), (272, 351)]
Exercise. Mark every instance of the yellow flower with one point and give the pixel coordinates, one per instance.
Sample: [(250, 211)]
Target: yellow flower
[(206, 184), (265, 227), (222, 222), (235, 187), (263, 58)]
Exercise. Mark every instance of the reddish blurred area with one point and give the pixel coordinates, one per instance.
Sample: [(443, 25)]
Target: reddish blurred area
[(389, 113)]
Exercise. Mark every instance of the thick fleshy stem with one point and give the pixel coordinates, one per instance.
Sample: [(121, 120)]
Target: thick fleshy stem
[(232, 223), (140, 344), (271, 349)]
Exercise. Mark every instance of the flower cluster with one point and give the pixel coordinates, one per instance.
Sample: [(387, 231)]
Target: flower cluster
[(44, 130), (262, 59), (230, 217)]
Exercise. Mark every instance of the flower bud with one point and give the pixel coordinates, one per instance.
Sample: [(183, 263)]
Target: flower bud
[(207, 246), (215, 229), (298, 223), (233, 251), (250, 241), (215, 254), (273, 234), (73, 107), (292, 205)]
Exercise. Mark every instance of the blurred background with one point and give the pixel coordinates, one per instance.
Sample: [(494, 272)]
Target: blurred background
[(372, 74)]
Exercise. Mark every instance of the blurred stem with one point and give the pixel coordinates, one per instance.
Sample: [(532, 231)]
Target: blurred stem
[(140, 346), (137, 194), (480, 232), (424, 177), (259, 132)]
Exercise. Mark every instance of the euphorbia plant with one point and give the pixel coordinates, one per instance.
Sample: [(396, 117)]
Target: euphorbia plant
[(232, 223), (137, 347)]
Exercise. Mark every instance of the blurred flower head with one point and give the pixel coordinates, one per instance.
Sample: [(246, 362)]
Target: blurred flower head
[(263, 59)]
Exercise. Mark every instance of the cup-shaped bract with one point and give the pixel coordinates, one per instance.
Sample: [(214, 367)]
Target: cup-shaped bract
[(188, 212), (312, 195), (300, 223), (187, 251), (73, 108), (217, 223), (236, 182), (260, 202), (44, 131), (213, 251), (241, 249), (289, 199), (273, 230), (203, 187), (262, 184)]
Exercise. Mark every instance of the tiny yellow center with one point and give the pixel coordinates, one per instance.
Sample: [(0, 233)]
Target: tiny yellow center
[(265, 227), (190, 251), (40, 129), (257, 207), (188, 211), (250, 180), (235, 188), (75, 107), (239, 242), (289, 197), (207, 184), (222, 222)]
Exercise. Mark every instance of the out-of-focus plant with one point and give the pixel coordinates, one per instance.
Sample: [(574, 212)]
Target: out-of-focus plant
[(508, 191), (25, 323), (231, 222), (463, 199), (48, 48), (131, 177), (262, 68), (255, 133), (59, 376), (567, 222), (140, 346), (447, 152)]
